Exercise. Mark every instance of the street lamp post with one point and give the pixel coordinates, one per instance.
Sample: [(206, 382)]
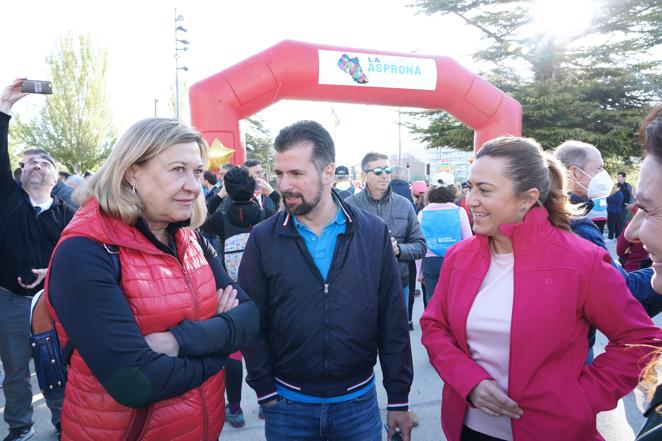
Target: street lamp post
[(179, 48), (399, 137)]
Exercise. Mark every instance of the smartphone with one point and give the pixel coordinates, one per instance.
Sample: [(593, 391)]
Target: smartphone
[(27, 276), (36, 86)]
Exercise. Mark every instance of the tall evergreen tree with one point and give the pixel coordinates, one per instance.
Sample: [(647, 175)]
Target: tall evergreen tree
[(594, 84), (259, 144)]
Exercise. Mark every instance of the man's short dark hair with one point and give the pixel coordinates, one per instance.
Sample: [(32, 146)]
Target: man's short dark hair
[(324, 151), (251, 163), (41, 154), (368, 158), (227, 166), (210, 177), (87, 174), (622, 173), (64, 174), (239, 184)]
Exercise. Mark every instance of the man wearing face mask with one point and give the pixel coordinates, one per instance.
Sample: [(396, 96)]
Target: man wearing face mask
[(589, 185), (589, 182)]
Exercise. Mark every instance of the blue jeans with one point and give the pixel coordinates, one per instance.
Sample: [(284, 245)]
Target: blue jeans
[(431, 271), (355, 420), (405, 296), (15, 355)]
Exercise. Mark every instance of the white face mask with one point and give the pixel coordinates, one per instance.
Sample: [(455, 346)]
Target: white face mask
[(600, 184)]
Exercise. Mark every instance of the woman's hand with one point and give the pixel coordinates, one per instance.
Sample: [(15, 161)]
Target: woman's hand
[(163, 343), (490, 399), (227, 299)]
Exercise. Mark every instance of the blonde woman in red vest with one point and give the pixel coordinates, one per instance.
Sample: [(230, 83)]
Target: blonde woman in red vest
[(506, 328), (143, 299)]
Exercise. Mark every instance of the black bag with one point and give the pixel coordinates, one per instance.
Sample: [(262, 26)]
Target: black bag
[(50, 360)]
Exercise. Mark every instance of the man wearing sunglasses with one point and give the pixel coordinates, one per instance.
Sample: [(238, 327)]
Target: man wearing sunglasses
[(31, 222), (407, 238)]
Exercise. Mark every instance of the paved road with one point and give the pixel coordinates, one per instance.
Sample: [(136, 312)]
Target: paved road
[(621, 424)]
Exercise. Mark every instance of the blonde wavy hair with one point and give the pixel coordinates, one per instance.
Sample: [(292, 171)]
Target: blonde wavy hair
[(142, 142)]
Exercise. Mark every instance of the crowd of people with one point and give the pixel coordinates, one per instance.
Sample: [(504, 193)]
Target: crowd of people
[(161, 278)]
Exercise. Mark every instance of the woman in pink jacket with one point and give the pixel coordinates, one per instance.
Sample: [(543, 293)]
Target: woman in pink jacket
[(506, 328)]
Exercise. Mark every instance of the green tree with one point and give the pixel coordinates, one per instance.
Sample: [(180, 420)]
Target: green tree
[(75, 125), (259, 144), (594, 85)]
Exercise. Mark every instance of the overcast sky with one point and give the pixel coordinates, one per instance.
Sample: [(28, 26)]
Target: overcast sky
[(139, 36)]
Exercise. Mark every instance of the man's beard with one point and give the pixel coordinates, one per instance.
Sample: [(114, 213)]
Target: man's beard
[(304, 207), (35, 180)]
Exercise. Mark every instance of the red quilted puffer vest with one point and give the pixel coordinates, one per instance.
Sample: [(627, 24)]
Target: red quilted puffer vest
[(161, 293)]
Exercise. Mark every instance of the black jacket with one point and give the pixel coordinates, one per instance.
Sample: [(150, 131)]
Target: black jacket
[(402, 188), (652, 428), (323, 336), (26, 239)]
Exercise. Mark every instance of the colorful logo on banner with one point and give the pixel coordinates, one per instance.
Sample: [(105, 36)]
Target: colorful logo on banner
[(376, 70), (353, 68)]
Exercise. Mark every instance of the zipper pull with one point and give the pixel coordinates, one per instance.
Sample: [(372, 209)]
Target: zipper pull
[(326, 288)]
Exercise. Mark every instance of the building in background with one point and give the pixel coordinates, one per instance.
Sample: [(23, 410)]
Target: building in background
[(414, 166), (446, 159)]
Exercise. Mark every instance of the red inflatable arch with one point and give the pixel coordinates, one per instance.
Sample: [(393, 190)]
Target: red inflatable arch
[(304, 71)]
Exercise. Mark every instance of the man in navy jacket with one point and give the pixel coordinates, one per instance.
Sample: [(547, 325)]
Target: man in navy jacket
[(328, 288)]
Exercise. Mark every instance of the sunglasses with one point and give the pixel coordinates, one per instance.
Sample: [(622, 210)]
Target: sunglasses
[(379, 170)]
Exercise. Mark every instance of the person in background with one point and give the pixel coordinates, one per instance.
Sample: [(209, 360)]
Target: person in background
[(399, 185), (209, 184), (232, 228), (444, 224), (398, 212), (628, 196), (143, 298), (614, 215), (223, 170), (31, 222), (418, 191), (646, 227), (75, 182), (589, 182), (506, 328), (584, 167), (266, 197), (343, 184), (632, 255), (400, 182)]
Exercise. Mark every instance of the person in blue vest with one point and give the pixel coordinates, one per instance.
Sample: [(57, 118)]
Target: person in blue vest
[(444, 224), (326, 282)]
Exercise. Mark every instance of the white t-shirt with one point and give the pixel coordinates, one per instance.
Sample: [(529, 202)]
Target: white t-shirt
[(488, 336)]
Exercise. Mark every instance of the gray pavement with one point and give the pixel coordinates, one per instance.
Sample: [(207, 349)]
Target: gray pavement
[(620, 424)]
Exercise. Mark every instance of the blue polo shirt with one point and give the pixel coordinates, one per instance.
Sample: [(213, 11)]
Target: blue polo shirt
[(321, 249)]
